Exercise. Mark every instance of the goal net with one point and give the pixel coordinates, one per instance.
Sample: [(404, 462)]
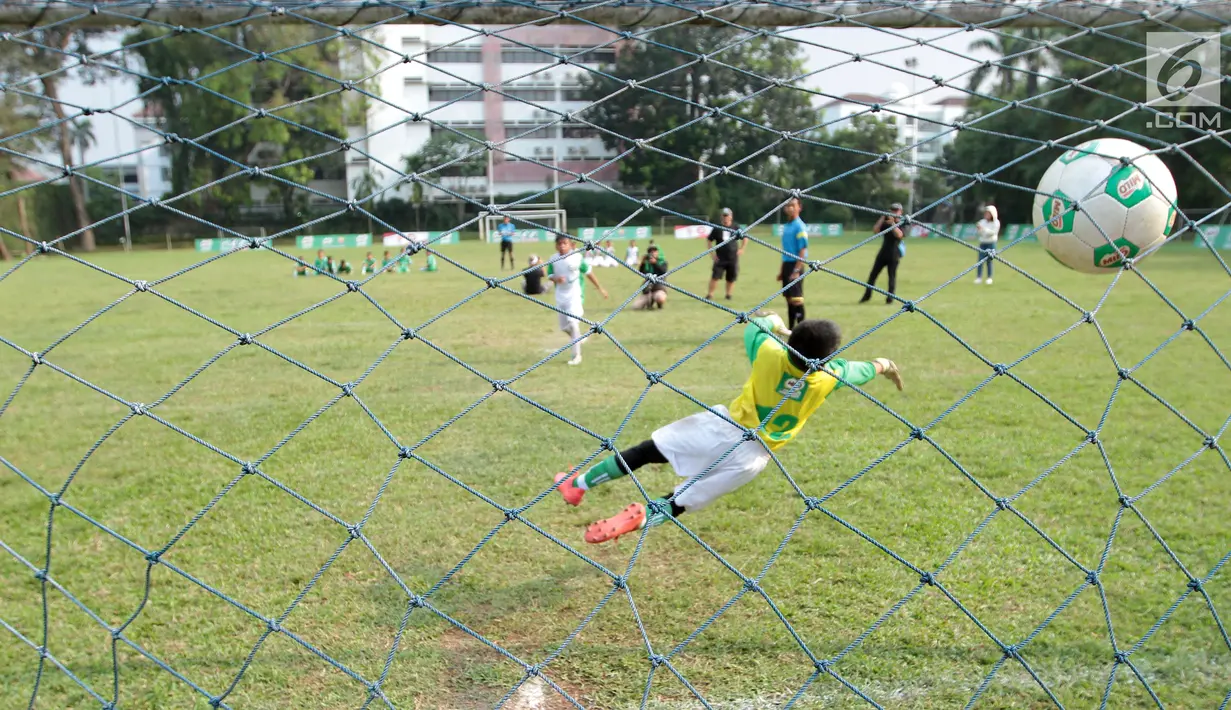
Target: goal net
[(274, 432), (530, 225)]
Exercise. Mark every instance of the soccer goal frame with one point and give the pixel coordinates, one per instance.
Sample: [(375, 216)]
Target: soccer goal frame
[(540, 217)]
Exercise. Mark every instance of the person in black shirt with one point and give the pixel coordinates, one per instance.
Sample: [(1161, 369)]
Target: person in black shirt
[(653, 294), (890, 253), (729, 247), (534, 278)]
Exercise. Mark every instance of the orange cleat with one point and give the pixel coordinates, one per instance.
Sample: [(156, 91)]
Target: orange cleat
[(631, 519), (572, 494)]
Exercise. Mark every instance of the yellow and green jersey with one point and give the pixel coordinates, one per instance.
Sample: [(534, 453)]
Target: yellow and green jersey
[(774, 378)]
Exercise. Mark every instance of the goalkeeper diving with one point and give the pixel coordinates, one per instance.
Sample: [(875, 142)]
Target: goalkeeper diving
[(706, 446)]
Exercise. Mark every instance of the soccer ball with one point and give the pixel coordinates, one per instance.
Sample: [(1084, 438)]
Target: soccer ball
[(1093, 210)]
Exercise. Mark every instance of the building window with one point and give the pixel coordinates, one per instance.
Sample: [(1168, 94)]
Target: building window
[(528, 130), (165, 174), (580, 132), (453, 129), (535, 94), (585, 55), (454, 93), (573, 93), (455, 55), (524, 55)]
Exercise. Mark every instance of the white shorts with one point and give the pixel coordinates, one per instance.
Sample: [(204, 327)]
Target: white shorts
[(575, 311), (693, 444)]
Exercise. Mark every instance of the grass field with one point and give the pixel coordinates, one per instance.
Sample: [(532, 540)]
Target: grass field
[(260, 546)]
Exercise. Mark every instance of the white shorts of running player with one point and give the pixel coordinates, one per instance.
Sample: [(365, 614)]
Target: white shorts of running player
[(574, 310), (693, 444)]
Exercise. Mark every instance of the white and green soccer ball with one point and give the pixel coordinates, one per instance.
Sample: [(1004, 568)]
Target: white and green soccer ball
[(1122, 209)]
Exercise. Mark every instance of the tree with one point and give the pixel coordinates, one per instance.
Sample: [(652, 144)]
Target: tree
[(736, 78), (1019, 51), (44, 54), (364, 187), (992, 143), (194, 111), (441, 149), (81, 135)]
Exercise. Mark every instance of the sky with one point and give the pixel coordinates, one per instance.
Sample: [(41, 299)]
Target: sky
[(828, 53)]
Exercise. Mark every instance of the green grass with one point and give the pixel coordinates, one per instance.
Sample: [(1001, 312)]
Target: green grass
[(261, 546)]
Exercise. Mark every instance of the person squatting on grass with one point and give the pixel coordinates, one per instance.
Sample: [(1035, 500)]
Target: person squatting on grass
[(707, 447), (654, 294)]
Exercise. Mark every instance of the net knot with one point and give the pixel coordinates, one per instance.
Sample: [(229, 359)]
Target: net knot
[(1126, 502), (173, 138), (215, 701), (1002, 503), (137, 408), (278, 11), (908, 306), (262, 56), (404, 452), (492, 283), (749, 435), (1092, 577), (273, 625), (413, 248), (859, 58), (796, 193), (959, 126), (416, 117), (352, 286), (1087, 317), (938, 80), (583, 177), (619, 582), (499, 385), (750, 585), (68, 171), (1194, 584), (261, 113), (510, 514), (245, 339), (6, 36), (1121, 657), (607, 444), (40, 574), (657, 660), (979, 177), (916, 433), (1124, 373), (55, 499), (408, 333), (1129, 263), (812, 503), (927, 579), (659, 507), (1000, 369), (36, 358), (786, 135), (1186, 325), (354, 531), (348, 389), (1092, 437), (248, 468), (823, 665), (1211, 442), (640, 143), (1014, 104), (654, 377), (44, 247), (631, 83), (417, 602), (141, 285), (373, 688), (885, 157), (1013, 650), (152, 557), (348, 86), (87, 111)]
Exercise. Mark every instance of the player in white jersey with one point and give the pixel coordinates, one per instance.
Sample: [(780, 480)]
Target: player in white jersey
[(568, 272), (632, 254)]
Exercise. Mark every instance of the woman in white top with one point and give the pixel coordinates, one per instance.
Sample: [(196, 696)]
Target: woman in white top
[(988, 231), (630, 254)]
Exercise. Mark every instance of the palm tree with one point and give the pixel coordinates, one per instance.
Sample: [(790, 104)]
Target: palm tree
[(81, 136), (364, 187), (1020, 51)]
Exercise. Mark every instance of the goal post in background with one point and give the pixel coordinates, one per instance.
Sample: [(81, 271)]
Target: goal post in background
[(890, 557)]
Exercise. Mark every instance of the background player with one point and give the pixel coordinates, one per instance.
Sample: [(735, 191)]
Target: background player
[(567, 273), (369, 264), (695, 444), (631, 253), (795, 254), (506, 230), (988, 231), (729, 248), (653, 294)]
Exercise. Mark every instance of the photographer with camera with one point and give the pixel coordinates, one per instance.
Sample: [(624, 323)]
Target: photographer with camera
[(890, 253)]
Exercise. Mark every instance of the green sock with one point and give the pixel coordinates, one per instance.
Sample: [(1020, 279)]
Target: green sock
[(653, 517), (606, 470)]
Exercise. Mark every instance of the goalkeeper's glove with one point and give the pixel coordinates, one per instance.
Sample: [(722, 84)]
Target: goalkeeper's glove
[(890, 370), (775, 322)]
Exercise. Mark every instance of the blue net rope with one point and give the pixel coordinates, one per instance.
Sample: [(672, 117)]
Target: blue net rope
[(659, 660)]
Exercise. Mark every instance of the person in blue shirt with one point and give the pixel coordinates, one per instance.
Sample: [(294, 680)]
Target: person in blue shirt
[(794, 258), (506, 230)]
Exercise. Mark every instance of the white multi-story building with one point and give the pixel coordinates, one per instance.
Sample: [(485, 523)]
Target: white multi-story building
[(931, 122), (443, 86)]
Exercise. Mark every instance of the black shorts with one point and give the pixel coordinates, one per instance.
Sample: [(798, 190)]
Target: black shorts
[(728, 268), (797, 290), (506, 246)]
